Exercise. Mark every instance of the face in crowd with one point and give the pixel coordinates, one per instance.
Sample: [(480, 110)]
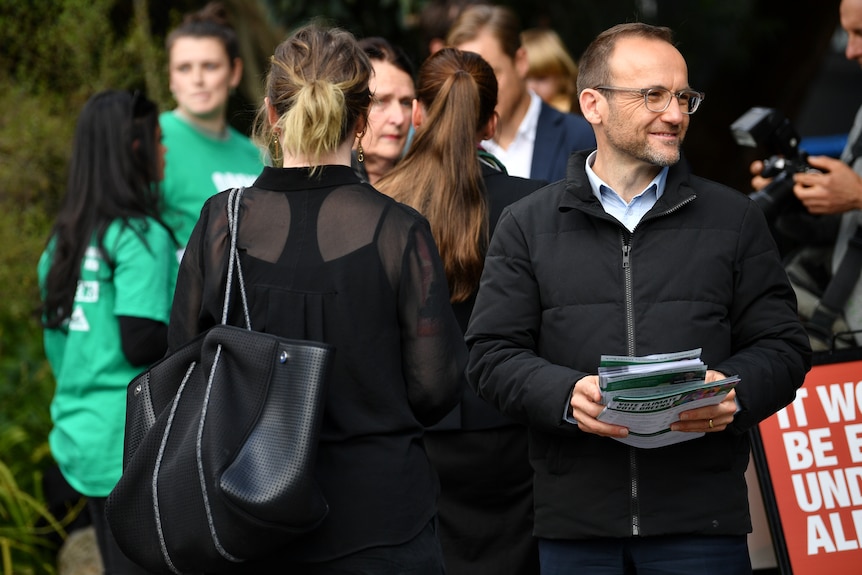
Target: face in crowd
[(644, 129), (851, 21), (389, 116), (511, 72), (202, 76)]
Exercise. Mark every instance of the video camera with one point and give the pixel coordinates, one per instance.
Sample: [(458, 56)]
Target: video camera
[(769, 128)]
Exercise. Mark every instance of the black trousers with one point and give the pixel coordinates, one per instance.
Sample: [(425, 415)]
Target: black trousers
[(419, 556), (113, 559), (486, 503)]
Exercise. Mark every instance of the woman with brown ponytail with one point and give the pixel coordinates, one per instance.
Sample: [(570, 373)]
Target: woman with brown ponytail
[(480, 456)]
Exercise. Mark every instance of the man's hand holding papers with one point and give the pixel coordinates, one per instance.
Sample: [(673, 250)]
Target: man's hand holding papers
[(653, 401)]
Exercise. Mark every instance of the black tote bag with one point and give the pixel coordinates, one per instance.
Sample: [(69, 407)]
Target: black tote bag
[(220, 444)]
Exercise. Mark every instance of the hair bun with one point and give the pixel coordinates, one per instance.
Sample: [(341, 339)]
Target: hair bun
[(214, 12)]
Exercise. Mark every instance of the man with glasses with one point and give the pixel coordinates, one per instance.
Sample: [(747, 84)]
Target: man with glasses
[(633, 255)]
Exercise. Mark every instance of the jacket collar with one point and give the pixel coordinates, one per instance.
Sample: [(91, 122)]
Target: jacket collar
[(579, 195), (296, 179)]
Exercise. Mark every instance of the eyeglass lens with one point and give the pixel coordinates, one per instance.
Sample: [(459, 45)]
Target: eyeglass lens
[(658, 100)]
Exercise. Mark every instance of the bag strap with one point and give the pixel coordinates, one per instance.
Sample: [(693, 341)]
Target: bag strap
[(233, 203), (842, 283), (846, 276)]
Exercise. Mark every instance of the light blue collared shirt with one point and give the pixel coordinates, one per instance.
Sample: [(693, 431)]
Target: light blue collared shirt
[(628, 214)]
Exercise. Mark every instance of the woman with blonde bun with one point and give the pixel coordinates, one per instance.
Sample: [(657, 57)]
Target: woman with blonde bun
[(327, 257)]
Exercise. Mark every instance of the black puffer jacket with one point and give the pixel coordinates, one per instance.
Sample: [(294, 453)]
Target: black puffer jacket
[(565, 283)]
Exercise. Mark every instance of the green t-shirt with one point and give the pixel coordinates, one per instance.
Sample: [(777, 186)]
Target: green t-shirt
[(92, 374), (198, 166)]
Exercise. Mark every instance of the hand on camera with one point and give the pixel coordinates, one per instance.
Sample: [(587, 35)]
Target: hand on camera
[(758, 182), (836, 190)]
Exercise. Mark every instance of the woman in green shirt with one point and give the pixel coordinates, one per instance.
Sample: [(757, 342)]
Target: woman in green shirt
[(107, 278), (206, 154)]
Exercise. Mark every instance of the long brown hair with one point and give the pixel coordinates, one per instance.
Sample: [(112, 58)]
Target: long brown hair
[(440, 175)]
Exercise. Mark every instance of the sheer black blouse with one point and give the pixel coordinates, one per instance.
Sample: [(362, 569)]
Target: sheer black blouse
[(328, 258)]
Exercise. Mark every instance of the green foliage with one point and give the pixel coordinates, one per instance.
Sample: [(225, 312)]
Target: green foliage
[(56, 54), (28, 531), (26, 386), (387, 18)]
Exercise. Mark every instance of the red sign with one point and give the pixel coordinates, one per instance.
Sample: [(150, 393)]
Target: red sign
[(813, 451)]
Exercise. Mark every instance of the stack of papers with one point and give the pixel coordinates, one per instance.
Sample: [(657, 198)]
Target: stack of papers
[(646, 394)]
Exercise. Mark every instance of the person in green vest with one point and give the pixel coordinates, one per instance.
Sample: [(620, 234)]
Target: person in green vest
[(107, 279), (206, 154)]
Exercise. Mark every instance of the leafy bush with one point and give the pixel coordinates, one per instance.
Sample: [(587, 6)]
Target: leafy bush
[(56, 54), (28, 531)]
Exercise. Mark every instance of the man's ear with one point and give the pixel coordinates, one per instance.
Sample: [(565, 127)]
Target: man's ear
[(522, 64), (592, 105), (418, 114), (490, 128)]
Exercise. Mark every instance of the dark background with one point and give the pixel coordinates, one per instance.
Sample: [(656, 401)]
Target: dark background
[(54, 54), (742, 53)]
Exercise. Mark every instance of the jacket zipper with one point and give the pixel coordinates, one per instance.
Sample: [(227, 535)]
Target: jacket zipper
[(630, 344), (626, 240), (629, 296)]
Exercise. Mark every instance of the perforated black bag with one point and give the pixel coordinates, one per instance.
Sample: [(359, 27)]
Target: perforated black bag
[(221, 438)]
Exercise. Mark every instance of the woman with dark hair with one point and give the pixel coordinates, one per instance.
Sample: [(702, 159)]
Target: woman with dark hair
[(481, 456), (207, 155), (392, 93), (326, 257), (106, 278)]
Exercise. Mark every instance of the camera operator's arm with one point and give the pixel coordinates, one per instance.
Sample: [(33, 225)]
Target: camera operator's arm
[(838, 189)]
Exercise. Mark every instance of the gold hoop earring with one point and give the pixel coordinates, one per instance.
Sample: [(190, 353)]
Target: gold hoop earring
[(360, 153)]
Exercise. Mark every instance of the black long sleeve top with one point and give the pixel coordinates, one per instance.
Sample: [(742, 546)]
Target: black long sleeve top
[(328, 258)]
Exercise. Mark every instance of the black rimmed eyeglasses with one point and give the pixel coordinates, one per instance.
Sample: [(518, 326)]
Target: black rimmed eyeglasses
[(658, 99)]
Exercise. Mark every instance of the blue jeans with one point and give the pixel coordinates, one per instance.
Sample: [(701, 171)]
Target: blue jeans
[(667, 555)]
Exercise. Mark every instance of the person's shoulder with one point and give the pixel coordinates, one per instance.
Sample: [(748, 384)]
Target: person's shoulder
[(391, 210), (217, 203), (169, 121), (542, 200), (576, 128), (568, 119), (142, 226), (133, 235), (239, 138), (717, 191), (251, 152), (396, 208), (720, 204), (501, 184), (177, 134)]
